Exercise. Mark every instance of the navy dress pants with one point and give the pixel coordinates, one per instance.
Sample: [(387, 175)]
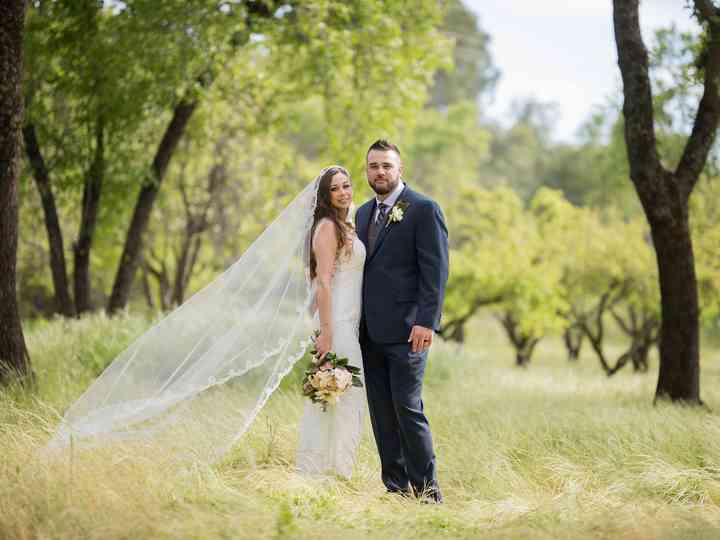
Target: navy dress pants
[(393, 380)]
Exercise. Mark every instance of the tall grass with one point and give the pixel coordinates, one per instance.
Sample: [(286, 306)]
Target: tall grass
[(557, 450)]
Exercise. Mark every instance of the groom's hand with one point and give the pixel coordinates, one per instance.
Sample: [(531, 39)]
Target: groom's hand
[(420, 338)]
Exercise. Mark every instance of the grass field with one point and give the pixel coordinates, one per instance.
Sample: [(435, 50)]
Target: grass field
[(553, 451)]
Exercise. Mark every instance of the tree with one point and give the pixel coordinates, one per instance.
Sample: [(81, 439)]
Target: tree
[(613, 274), (499, 260), (487, 243), (205, 219), (664, 193), (449, 144), (535, 303), (14, 359), (91, 81), (473, 73), (519, 154), (108, 112)]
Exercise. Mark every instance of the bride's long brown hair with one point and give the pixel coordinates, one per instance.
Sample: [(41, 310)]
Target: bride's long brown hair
[(325, 209)]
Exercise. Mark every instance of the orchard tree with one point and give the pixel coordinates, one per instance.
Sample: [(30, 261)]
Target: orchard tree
[(569, 234), (499, 261), (606, 271), (534, 305), (664, 193), (485, 247)]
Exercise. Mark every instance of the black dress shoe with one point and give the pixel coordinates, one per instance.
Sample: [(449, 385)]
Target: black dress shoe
[(430, 495), (431, 500)]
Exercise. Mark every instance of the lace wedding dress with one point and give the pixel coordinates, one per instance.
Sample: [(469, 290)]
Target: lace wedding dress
[(329, 440)]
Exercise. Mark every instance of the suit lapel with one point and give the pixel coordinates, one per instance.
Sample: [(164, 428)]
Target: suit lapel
[(389, 225)]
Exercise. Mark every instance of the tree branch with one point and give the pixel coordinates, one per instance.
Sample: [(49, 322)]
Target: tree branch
[(621, 322), (708, 112), (706, 10), (644, 161)]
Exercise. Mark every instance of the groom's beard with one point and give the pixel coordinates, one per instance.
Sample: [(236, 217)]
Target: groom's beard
[(388, 187)]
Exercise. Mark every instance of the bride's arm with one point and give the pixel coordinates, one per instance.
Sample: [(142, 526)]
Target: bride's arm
[(325, 248)]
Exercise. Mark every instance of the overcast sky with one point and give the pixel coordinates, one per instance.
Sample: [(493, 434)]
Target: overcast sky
[(563, 51)]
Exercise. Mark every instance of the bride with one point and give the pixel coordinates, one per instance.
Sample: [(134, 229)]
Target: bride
[(193, 384), (329, 439)]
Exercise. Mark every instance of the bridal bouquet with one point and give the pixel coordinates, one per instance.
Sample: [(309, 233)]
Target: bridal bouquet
[(327, 379)]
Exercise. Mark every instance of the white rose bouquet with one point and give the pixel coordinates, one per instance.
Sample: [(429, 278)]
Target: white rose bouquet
[(327, 379)]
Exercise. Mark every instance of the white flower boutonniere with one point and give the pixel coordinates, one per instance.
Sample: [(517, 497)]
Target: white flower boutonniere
[(398, 212), (396, 215)]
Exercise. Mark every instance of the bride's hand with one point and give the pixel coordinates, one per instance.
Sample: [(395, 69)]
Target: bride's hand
[(323, 343)]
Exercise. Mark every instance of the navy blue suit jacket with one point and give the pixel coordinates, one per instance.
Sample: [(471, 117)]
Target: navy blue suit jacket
[(406, 273)]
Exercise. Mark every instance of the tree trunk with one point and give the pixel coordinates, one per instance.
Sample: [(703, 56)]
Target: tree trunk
[(147, 290), (58, 266), (642, 328), (195, 225), (88, 220), (679, 376), (640, 359), (524, 344), (454, 330), (524, 352), (458, 333), (186, 265), (664, 195), (14, 359), (160, 273), (573, 338), (592, 324), (143, 207)]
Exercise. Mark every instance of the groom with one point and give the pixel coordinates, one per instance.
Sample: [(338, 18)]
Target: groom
[(406, 270)]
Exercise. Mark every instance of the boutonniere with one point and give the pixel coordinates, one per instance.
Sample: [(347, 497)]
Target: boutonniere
[(398, 212)]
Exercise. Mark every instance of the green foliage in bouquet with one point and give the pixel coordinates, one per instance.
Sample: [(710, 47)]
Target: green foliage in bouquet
[(327, 379)]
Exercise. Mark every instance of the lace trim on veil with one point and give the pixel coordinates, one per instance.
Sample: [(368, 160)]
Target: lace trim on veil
[(202, 404)]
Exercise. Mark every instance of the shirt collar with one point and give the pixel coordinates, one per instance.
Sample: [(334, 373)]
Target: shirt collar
[(393, 197)]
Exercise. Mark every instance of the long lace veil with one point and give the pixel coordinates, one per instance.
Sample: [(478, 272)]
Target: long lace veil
[(197, 379)]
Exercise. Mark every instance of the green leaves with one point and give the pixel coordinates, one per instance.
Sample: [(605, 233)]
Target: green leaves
[(325, 381), (370, 61), (705, 226), (283, 88), (543, 267)]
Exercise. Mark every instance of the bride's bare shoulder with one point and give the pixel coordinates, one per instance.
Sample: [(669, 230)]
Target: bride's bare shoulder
[(325, 233)]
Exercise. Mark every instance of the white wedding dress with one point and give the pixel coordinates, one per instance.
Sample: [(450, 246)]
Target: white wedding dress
[(329, 440)]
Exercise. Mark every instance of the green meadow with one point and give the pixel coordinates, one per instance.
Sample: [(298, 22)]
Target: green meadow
[(555, 450)]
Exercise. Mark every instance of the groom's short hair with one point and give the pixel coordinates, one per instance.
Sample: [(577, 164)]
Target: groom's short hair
[(384, 145)]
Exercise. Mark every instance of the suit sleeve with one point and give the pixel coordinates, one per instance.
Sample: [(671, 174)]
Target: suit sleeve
[(431, 244)]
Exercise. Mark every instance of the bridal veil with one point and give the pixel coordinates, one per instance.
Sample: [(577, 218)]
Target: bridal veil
[(197, 379)]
